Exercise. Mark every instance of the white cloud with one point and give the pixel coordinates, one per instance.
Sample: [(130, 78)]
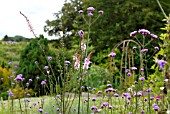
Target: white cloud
[(38, 11)]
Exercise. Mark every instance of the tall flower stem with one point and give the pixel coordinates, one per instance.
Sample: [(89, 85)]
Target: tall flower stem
[(89, 25)]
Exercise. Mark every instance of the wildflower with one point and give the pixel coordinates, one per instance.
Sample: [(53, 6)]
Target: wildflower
[(152, 98), (100, 12), (45, 67), (40, 110), (83, 45), (142, 112), (134, 68), (109, 85), (10, 93), (43, 82), (90, 9), (156, 48), (145, 99), (158, 97), (110, 107), (116, 95), (67, 63), (19, 77), (58, 96), (127, 70), (9, 63), (130, 113), (141, 78), (162, 88), (90, 14), (94, 108), (129, 74), (27, 100), (99, 92), (144, 31), (30, 80), (153, 36), (80, 11), (144, 50), (81, 32), (162, 63), (112, 54), (57, 109), (156, 108), (105, 104), (93, 99), (149, 90), (27, 84), (139, 94), (133, 33), (134, 47), (49, 58), (141, 69), (135, 82)]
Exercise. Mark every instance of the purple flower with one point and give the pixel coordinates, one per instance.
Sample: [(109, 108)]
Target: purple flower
[(99, 92), (19, 77), (80, 11), (105, 104), (27, 100), (141, 78), (45, 67), (156, 108), (141, 69), (127, 70), (49, 58), (109, 85), (133, 33), (144, 50), (10, 93), (9, 63), (116, 95), (81, 32), (134, 68), (139, 94), (142, 112), (93, 99), (130, 113), (149, 90), (94, 108), (162, 63), (110, 107), (112, 54), (134, 48), (152, 98), (40, 110), (90, 9), (57, 109), (154, 36), (135, 82), (90, 14), (129, 74), (43, 82), (144, 31), (156, 48), (100, 12)]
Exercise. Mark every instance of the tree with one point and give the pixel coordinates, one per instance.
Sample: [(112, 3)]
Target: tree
[(33, 59)]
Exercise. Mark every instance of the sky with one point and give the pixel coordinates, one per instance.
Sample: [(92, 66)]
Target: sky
[(38, 11)]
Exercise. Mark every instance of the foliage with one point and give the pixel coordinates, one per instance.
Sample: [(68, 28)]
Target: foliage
[(19, 92), (33, 59)]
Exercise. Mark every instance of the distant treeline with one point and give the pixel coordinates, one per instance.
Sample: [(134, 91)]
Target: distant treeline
[(16, 38)]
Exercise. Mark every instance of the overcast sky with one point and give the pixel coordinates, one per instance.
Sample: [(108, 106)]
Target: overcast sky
[(38, 11)]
